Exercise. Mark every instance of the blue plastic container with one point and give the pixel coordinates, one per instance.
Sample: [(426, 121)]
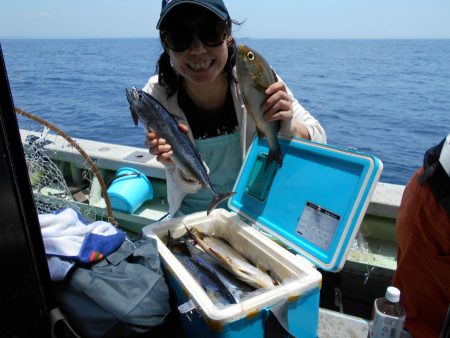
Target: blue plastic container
[(129, 190)]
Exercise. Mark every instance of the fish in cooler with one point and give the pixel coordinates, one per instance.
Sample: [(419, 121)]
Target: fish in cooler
[(231, 260), (237, 288), (206, 270)]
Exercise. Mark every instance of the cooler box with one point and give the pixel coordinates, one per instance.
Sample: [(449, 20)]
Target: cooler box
[(286, 220)]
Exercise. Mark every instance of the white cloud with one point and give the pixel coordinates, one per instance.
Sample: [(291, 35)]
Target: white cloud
[(41, 15)]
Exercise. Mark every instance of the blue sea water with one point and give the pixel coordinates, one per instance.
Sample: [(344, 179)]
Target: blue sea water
[(388, 98)]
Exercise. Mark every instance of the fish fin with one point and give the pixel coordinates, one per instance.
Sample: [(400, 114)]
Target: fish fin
[(259, 83), (217, 198), (169, 237), (274, 155), (260, 134), (196, 236), (219, 255), (187, 229), (193, 233), (260, 267), (275, 76), (134, 116)]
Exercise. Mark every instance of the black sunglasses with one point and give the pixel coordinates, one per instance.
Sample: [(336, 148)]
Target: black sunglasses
[(211, 33)]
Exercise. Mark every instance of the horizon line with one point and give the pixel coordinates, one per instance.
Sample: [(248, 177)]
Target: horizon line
[(245, 37)]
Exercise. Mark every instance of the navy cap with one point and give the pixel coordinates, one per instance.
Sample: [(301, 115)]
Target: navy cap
[(215, 6)]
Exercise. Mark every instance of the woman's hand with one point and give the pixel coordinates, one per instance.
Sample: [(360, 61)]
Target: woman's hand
[(278, 105), (159, 146)]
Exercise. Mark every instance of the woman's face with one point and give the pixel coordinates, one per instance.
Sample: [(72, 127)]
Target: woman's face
[(200, 64), (203, 41)]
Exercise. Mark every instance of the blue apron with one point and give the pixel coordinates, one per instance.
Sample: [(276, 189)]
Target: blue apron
[(223, 156)]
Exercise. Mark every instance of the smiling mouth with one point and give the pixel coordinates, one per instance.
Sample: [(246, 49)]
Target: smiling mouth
[(198, 66)]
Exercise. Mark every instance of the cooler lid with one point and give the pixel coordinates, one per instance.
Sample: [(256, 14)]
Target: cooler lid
[(314, 203)]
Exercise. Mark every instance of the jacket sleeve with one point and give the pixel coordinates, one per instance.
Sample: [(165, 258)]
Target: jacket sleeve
[(301, 115), (177, 186)]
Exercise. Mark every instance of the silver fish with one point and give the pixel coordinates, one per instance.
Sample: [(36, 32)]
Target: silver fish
[(231, 260), (212, 286), (155, 117), (254, 77), (238, 289)]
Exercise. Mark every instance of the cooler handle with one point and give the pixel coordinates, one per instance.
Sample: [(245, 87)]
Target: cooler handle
[(276, 325), (187, 308)]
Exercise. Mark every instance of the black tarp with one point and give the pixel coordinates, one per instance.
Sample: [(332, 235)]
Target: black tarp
[(24, 279)]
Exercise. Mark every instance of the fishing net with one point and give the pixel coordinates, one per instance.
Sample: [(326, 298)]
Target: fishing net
[(61, 181)]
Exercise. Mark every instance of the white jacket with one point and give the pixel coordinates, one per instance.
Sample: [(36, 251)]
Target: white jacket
[(177, 187)]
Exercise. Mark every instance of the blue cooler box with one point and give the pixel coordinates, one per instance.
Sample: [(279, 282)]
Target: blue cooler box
[(288, 221)]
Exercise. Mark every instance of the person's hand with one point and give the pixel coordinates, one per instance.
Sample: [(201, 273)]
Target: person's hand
[(278, 105), (159, 146)]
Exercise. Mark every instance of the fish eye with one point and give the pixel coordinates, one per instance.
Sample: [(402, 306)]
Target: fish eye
[(251, 56), (140, 96)]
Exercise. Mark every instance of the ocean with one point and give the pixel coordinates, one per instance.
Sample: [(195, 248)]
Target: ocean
[(388, 98)]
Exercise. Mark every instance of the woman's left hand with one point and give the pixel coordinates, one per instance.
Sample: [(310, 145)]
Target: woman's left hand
[(278, 105)]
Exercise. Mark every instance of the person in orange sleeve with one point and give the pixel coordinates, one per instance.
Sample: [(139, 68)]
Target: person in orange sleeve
[(423, 236)]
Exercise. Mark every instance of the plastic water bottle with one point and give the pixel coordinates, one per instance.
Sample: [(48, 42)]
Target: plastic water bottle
[(388, 315)]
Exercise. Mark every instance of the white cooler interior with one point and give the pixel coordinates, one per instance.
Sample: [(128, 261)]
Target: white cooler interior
[(295, 274)]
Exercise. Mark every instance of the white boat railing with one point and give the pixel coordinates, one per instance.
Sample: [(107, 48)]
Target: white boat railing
[(384, 203)]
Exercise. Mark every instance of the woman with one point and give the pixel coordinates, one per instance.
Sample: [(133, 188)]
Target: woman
[(196, 82)]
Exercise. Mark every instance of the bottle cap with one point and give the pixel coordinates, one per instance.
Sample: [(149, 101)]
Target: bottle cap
[(392, 294)]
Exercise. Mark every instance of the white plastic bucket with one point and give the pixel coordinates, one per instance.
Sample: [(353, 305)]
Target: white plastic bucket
[(129, 190)]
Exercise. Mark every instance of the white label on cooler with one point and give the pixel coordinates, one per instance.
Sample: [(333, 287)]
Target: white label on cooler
[(317, 225)]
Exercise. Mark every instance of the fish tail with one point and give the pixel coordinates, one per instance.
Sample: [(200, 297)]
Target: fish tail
[(274, 155), (217, 198)]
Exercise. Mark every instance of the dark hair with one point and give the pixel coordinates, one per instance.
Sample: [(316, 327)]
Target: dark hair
[(171, 81)]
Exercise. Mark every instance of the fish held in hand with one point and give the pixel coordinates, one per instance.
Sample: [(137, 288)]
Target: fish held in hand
[(254, 77), (155, 117)]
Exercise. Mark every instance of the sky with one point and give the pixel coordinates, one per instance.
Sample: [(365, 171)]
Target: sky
[(303, 19)]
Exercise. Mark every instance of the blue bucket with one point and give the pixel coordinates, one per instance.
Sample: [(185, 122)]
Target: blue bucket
[(129, 190)]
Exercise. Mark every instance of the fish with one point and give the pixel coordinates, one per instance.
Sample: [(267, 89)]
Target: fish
[(212, 286), (154, 116), (185, 246), (177, 245), (231, 260), (238, 289), (254, 76)]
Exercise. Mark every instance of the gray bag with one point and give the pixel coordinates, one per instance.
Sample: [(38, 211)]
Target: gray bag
[(123, 295)]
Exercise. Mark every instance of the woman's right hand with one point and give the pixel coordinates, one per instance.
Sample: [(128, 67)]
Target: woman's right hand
[(159, 146)]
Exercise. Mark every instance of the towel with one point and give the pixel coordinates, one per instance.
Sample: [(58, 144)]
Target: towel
[(68, 240)]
